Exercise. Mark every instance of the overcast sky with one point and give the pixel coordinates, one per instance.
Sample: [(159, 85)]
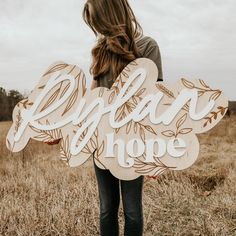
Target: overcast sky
[(197, 39)]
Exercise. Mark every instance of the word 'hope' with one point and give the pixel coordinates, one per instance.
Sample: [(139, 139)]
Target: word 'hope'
[(175, 147)]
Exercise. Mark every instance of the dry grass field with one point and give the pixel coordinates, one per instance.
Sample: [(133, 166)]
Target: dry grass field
[(39, 195)]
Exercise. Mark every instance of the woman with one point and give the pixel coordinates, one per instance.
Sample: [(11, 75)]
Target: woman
[(120, 41)]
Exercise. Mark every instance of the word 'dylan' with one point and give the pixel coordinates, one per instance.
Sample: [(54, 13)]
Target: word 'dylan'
[(138, 127)]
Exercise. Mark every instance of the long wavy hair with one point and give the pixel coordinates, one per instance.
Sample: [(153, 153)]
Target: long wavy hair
[(117, 30)]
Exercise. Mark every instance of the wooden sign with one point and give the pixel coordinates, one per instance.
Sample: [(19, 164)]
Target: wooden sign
[(138, 127)]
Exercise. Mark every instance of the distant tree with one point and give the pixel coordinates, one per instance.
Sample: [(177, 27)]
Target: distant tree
[(8, 102), (4, 106), (13, 98)]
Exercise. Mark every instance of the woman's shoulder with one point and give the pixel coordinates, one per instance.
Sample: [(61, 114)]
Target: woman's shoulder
[(146, 40), (148, 48), (145, 44)]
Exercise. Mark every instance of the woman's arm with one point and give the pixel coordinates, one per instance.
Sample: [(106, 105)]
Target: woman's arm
[(152, 52), (155, 55)]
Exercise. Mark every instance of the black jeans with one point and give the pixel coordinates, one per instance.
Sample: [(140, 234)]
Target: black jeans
[(109, 195)]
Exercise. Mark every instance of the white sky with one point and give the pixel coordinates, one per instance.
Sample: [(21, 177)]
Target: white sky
[(197, 39)]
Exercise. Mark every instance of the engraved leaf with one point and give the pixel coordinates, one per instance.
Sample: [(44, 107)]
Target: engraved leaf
[(35, 129), (187, 84), (18, 120), (25, 103), (111, 97), (200, 93), (128, 127), (101, 91), (185, 130), (41, 87), (52, 98), (95, 132), (125, 74), (43, 136), (119, 113), (49, 136), (71, 102), (86, 131), (150, 129), (84, 85), (73, 67), (134, 100), (186, 107), (203, 83), (207, 118), (135, 127), (93, 144), (151, 168), (140, 92), (101, 149), (65, 90), (133, 63), (168, 133), (222, 110), (181, 121), (64, 150), (142, 133), (129, 107), (117, 130), (215, 95), (165, 90), (85, 151), (55, 68), (214, 114), (116, 90), (127, 69)]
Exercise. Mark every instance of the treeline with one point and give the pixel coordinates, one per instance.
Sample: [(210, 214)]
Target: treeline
[(8, 100)]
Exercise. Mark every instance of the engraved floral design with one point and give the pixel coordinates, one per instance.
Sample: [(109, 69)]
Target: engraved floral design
[(65, 150), (170, 94), (179, 130), (214, 93), (93, 147), (129, 106), (60, 91), (64, 86), (57, 67), (214, 114), (151, 168), (52, 98), (18, 121), (25, 103), (47, 135)]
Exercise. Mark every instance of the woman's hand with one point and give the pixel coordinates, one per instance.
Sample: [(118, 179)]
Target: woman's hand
[(152, 177), (56, 141)]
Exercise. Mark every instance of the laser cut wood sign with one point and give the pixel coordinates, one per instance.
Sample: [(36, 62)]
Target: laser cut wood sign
[(138, 127)]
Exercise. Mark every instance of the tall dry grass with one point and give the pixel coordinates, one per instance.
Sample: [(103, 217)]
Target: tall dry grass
[(39, 195)]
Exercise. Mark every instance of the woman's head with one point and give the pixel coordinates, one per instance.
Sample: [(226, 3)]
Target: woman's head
[(115, 24)]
